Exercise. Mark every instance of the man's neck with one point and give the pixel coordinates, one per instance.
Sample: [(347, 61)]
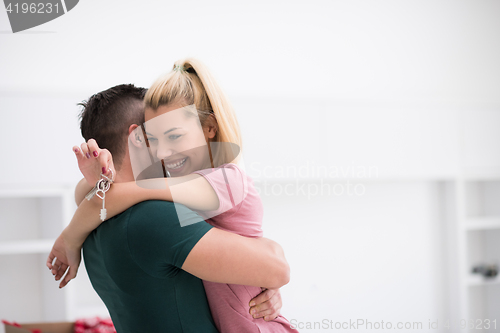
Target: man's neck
[(125, 174)]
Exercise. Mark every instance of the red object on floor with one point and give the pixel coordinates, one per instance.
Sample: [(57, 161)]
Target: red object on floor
[(13, 323), (94, 325)]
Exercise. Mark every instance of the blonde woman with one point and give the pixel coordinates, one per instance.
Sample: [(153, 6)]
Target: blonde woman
[(191, 131)]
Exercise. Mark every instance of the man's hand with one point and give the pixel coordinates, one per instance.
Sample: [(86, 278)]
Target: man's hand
[(65, 257), (93, 161), (267, 304)]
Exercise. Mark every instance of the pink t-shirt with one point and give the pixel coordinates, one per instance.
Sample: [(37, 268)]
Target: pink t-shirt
[(240, 211)]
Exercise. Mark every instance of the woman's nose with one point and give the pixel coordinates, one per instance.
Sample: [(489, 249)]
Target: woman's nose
[(164, 151)]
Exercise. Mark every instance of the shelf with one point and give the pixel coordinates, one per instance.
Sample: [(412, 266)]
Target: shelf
[(26, 246), (481, 173), (478, 280), (482, 223), (27, 192)]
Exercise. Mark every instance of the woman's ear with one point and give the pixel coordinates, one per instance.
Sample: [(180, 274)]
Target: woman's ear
[(210, 128), (136, 136)]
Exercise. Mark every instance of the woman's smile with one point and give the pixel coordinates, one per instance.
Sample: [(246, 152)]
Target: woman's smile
[(176, 165)]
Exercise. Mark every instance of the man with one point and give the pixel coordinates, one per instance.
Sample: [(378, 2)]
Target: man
[(142, 263)]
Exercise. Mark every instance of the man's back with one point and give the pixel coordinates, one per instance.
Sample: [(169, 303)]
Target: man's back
[(133, 261)]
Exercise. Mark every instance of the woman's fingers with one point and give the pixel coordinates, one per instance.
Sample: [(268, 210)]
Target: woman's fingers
[(78, 153), (50, 259), (104, 161), (69, 276), (103, 156), (61, 272), (85, 150), (93, 148), (56, 266)]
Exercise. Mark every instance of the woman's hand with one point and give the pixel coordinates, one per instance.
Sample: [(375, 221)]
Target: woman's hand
[(267, 304), (66, 256), (93, 161)]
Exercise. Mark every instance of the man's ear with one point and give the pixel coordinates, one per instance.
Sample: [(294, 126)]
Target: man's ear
[(136, 136), (210, 127)]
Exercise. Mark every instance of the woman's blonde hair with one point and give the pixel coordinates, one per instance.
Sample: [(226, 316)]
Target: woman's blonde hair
[(190, 82)]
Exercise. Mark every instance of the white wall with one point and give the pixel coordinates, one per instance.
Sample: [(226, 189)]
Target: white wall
[(375, 256), (410, 87), (360, 50)]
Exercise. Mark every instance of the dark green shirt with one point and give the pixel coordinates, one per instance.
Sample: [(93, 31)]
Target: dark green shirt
[(133, 261)]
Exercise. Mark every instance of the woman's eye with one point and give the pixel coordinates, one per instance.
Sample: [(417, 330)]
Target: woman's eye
[(174, 136), (152, 139)]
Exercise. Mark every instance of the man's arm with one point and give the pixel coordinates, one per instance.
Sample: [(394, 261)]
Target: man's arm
[(266, 305), (224, 257)]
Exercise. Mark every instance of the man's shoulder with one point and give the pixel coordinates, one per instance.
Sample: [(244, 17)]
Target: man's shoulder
[(164, 231), (152, 205), (152, 211), (157, 214)]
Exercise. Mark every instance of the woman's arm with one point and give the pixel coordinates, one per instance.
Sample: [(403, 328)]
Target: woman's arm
[(118, 198), (82, 188), (193, 191)]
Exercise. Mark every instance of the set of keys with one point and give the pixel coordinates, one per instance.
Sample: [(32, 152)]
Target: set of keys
[(100, 189)]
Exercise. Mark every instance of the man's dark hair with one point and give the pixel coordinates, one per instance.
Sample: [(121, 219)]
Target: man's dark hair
[(107, 116)]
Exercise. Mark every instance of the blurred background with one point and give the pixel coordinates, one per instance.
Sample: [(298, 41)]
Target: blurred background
[(371, 129)]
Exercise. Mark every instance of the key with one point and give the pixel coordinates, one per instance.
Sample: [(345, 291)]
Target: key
[(103, 209), (102, 184), (92, 192), (100, 189)]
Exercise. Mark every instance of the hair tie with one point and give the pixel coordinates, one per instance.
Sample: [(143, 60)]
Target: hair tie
[(179, 68)]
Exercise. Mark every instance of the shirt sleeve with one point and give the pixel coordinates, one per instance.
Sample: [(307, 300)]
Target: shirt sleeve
[(230, 185), (161, 235)]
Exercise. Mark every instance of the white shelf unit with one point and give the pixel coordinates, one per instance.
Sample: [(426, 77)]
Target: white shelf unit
[(478, 217), (26, 247), (31, 218), (475, 220)]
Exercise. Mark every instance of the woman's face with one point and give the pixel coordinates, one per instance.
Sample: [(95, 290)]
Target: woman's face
[(177, 138)]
